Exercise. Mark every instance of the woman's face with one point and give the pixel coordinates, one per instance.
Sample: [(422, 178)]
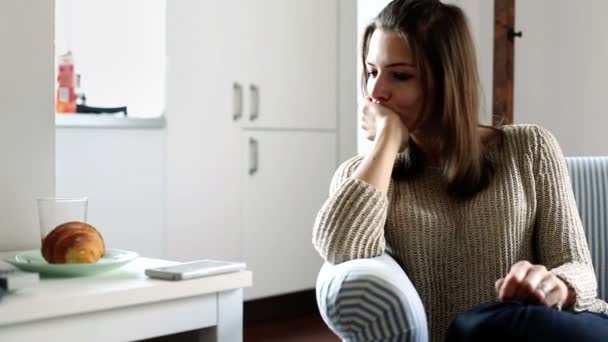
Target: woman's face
[(393, 80)]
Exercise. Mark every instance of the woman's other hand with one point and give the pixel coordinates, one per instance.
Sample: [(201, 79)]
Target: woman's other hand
[(533, 284), (378, 120)]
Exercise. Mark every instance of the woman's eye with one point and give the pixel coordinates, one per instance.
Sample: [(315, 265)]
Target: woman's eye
[(372, 73), (402, 76)]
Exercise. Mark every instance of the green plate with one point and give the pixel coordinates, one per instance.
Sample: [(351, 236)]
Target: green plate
[(32, 261)]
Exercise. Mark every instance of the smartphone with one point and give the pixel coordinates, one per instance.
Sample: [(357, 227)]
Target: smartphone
[(194, 269)]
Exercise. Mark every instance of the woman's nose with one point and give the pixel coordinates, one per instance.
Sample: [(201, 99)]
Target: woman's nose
[(380, 91)]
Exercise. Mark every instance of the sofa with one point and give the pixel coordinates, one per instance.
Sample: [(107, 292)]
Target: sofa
[(364, 299)]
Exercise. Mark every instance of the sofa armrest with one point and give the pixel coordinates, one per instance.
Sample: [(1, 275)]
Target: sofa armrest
[(370, 299)]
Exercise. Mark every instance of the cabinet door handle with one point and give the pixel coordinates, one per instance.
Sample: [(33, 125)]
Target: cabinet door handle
[(253, 156), (237, 101), (255, 102)]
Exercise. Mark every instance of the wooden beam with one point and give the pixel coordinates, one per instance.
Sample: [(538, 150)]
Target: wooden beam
[(504, 34)]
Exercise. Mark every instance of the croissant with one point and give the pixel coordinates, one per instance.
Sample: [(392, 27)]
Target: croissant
[(73, 243)]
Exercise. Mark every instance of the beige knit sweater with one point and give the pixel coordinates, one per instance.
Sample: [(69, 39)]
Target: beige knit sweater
[(454, 251)]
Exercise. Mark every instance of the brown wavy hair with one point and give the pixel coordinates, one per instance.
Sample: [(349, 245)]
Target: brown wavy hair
[(439, 38)]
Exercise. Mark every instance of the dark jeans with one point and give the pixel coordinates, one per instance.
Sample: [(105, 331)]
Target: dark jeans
[(514, 321)]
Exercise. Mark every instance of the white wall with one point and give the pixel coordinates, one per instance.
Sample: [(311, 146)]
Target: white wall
[(348, 84), (480, 14), (561, 71), (122, 173), (27, 118)]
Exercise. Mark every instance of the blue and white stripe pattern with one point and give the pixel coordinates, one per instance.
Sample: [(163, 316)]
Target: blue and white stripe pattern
[(371, 300), (589, 176)]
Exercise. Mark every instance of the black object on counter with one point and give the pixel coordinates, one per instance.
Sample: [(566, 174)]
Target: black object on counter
[(84, 109)]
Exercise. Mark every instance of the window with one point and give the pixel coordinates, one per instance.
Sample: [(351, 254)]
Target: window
[(119, 51)]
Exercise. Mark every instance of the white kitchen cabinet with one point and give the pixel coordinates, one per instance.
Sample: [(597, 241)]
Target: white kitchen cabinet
[(293, 64), (203, 139), (215, 208), (284, 185)]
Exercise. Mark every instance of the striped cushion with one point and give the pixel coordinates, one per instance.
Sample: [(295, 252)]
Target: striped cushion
[(369, 309), (589, 177), (371, 300)]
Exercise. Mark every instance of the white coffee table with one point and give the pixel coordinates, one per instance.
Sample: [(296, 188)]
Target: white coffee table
[(125, 305)]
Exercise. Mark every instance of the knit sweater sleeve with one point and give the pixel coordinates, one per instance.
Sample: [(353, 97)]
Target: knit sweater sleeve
[(350, 224), (561, 241)]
